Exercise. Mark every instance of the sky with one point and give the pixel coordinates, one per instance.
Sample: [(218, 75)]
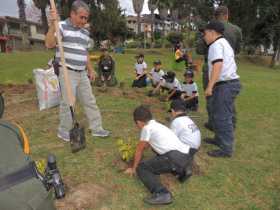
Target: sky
[(9, 7)]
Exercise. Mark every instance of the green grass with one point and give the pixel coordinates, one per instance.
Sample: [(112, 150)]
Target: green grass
[(249, 180)]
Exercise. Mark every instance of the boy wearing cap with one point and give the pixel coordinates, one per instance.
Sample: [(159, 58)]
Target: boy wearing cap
[(172, 84), (156, 73), (185, 129), (140, 71), (172, 156), (190, 91), (223, 86)]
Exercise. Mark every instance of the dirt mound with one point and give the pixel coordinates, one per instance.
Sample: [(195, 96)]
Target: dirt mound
[(83, 196), (16, 89)]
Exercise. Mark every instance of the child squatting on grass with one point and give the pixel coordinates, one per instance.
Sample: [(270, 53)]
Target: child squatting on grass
[(141, 72), (172, 156), (185, 129), (170, 83), (190, 91), (156, 73)]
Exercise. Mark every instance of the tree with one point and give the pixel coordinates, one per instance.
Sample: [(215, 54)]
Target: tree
[(138, 6), (42, 5), (153, 4), (260, 23), (23, 25), (109, 12)]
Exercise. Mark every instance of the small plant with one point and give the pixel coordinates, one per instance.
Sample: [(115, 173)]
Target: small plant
[(126, 149)]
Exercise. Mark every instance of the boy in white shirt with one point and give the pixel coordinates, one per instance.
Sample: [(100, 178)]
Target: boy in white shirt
[(190, 91), (185, 129), (156, 73), (141, 72), (170, 83), (172, 156)]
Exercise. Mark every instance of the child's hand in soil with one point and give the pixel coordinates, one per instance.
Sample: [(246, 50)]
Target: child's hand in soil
[(130, 171)]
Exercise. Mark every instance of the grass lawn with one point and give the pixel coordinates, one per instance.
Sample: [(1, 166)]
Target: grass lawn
[(249, 180)]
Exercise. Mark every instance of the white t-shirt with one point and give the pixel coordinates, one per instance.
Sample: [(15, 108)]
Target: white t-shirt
[(187, 131), (220, 50), (171, 86), (140, 67), (190, 89), (156, 76), (162, 139)]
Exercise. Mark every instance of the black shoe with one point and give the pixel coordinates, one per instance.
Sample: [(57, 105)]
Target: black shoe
[(184, 176), (218, 153), (159, 199), (211, 141), (208, 126)]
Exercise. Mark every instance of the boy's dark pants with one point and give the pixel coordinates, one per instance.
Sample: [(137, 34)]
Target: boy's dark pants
[(171, 162), (224, 114), (192, 104), (209, 99)]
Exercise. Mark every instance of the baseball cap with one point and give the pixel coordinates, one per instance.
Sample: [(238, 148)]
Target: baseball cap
[(188, 73), (157, 62), (216, 26), (178, 105)]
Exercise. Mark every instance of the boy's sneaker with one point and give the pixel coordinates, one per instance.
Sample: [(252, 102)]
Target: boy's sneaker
[(159, 199), (101, 133), (63, 135)]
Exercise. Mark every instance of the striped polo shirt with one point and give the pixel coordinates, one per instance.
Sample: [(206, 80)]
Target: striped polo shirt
[(75, 43)]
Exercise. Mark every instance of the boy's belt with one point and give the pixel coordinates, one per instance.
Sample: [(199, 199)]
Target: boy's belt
[(226, 82)]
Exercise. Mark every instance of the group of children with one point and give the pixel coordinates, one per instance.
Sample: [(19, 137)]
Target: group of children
[(166, 81)]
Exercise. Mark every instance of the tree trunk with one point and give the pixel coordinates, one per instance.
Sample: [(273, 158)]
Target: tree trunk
[(152, 27), (275, 61), (25, 42), (44, 20), (138, 23)]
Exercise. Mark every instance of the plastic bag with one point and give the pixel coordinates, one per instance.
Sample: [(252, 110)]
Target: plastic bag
[(48, 90)]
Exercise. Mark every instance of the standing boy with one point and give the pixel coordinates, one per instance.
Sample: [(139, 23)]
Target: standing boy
[(172, 156), (223, 86)]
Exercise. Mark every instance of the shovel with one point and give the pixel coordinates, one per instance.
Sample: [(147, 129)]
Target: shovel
[(77, 133)]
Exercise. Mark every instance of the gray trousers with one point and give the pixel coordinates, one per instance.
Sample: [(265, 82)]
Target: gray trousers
[(82, 91), (223, 111)]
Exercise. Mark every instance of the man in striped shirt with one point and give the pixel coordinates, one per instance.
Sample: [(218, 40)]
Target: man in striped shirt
[(75, 41)]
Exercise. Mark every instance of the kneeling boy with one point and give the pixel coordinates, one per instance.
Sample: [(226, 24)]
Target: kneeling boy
[(156, 73), (185, 129), (171, 83), (190, 92), (172, 156)]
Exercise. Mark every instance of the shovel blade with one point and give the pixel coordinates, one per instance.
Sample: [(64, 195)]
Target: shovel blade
[(77, 138)]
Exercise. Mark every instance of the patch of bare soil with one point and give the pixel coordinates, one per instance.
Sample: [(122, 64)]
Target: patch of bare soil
[(20, 101), (83, 196), (17, 89), (121, 165)]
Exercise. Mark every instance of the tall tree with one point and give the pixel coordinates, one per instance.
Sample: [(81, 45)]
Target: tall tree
[(109, 12), (138, 6), (42, 5), (23, 25), (153, 4)]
